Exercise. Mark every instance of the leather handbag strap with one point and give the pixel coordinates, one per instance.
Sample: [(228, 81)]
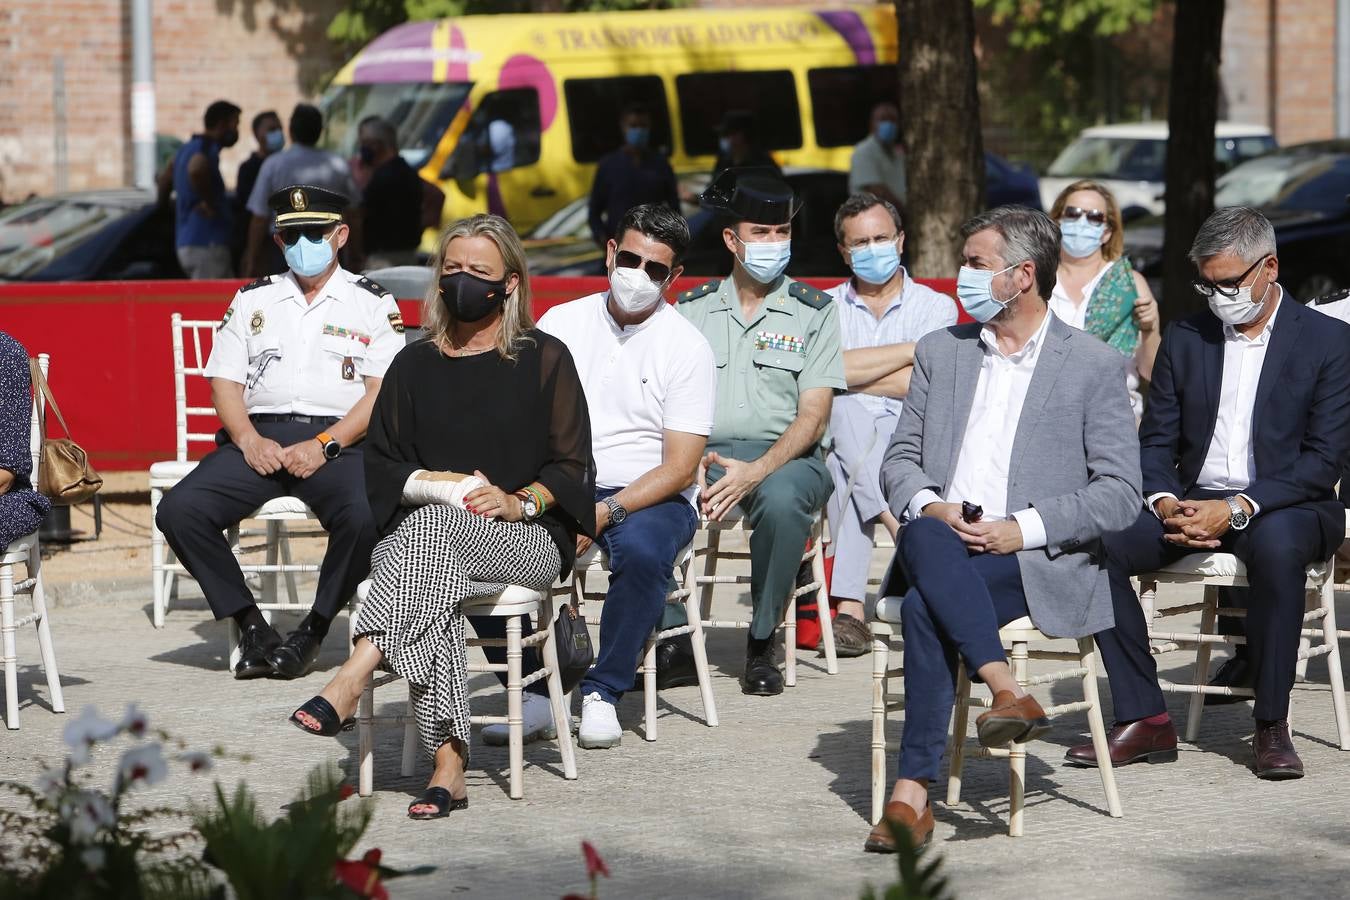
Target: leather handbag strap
[(41, 382)]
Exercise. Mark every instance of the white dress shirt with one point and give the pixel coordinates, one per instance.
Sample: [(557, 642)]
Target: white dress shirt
[(1230, 463), (981, 473)]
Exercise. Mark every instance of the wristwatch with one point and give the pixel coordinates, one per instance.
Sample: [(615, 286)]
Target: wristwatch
[(529, 506), (331, 448), (616, 511), (1237, 516)]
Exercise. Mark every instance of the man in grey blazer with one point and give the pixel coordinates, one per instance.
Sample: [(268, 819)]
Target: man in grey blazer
[(1016, 451)]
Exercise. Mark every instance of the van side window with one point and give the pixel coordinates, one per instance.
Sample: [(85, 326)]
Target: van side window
[(503, 134), (842, 99), (706, 96), (594, 106)]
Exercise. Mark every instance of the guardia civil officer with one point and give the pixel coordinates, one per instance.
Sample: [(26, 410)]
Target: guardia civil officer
[(779, 363), (294, 370)]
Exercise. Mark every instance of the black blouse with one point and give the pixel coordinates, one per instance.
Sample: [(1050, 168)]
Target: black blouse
[(516, 422)]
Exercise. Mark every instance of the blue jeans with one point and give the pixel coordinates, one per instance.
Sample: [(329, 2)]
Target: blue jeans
[(641, 555)]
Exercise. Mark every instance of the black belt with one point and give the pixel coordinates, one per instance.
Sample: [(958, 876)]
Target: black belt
[(291, 417)]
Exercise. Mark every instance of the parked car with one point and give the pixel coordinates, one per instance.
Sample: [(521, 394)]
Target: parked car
[(1130, 160), (110, 235), (1010, 184), (1305, 192)]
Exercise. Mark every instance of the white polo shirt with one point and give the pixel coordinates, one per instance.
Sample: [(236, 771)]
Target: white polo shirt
[(640, 381), (306, 358)]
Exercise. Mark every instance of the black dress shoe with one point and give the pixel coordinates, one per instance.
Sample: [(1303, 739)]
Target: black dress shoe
[(1234, 673), (256, 643), (675, 663), (762, 678), (296, 656)]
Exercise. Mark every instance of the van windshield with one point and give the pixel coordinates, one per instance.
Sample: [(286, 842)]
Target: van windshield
[(1144, 159), (420, 111)]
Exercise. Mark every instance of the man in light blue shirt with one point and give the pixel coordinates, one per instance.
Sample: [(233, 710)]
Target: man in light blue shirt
[(882, 313)]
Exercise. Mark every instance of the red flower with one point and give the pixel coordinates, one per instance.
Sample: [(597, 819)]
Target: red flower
[(362, 876), (594, 864), (345, 791)]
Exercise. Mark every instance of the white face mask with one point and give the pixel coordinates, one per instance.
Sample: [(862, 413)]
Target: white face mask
[(633, 290), (1240, 308)]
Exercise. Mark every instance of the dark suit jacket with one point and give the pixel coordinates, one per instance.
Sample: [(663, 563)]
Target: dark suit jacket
[(1300, 423)]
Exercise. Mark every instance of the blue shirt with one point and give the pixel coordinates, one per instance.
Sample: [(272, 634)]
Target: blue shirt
[(192, 228), (623, 182)]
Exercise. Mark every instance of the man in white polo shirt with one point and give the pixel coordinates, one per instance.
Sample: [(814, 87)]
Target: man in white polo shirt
[(650, 381)]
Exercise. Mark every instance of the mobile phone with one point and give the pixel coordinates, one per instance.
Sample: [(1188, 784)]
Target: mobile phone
[(971, 512)]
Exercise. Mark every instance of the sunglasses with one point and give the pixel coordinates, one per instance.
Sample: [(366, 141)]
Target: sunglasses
[(1095, 216), (1229, 287), (313, 233), (627, 259)]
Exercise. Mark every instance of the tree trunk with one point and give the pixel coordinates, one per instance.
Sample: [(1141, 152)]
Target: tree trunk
[(940, 124), (1193, 107)]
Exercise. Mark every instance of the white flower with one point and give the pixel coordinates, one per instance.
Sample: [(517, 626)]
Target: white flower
[(196, 761), (134, 722), (87, 812), (93, 858), (51, 784), (144, 764), (84, 732)]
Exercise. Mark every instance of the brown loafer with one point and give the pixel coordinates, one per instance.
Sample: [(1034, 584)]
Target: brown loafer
[(1011, 718), (851, 637), (1276, 759), (901, 815), (1131, 743)]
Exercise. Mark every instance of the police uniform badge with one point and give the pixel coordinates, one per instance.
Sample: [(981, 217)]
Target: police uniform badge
[(396, 322), (226, 320), (255, 324), (298, 201), (348, 369)]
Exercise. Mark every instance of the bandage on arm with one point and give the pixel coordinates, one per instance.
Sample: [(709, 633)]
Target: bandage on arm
[(446, 488)]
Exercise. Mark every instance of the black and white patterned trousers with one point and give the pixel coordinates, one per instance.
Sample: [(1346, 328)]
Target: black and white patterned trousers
[(420, 574)]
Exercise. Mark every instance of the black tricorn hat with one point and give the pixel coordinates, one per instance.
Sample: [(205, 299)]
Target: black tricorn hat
[(306, 204), (756, 195)]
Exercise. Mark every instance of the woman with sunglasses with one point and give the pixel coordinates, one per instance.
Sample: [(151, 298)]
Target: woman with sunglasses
[(1097, 290), (479, 473)]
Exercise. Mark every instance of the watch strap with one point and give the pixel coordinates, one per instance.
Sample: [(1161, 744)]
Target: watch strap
[(323, 437)]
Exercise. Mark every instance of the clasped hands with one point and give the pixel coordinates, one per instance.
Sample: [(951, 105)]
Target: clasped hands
[(1198, 524), (1000, 538), (266, 457), (740, 478)]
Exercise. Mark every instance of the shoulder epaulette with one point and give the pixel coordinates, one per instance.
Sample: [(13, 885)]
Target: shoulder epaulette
[(374, 287), (812, 297), (702, 290), (261, 282), (1331, 298)]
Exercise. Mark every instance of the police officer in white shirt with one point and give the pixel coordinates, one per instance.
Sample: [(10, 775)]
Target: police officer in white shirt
[(294, 370)]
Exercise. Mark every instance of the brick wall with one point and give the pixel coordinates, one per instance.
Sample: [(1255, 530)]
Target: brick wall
[(1294, 40), (256, 53)]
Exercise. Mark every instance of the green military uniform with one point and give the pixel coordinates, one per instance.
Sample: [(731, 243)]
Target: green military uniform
[(790, 345)]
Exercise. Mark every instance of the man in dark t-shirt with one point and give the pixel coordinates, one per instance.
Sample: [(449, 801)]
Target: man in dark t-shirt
[(392, 199), (630, 176)]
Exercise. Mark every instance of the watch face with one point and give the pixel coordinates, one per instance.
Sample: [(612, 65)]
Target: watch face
[(332, 450)]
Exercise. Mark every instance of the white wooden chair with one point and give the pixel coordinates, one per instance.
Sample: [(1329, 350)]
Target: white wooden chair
[(1341, 583), (712, 551), (1216, 570), (1024, 643), (513, 604), (27, 551), (582, 588), (191, 348)]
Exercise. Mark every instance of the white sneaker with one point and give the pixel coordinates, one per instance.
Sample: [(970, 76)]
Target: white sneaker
[(536, 721), (599, 724)]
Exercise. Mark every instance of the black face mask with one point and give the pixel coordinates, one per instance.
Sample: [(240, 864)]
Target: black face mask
[(470, 298), (229, 139)]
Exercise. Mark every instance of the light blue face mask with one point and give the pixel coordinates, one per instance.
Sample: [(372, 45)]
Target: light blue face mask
[(875, 263), (637, 137), (1080, 238), (309, 258), (888, 131), (765, 260), (975, 290), (275, 140)]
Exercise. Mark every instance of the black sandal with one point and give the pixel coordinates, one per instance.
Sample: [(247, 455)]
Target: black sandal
[(327, 717), (440, 798)]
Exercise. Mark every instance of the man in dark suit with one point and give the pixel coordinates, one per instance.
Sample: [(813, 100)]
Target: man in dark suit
[(1243, 440)]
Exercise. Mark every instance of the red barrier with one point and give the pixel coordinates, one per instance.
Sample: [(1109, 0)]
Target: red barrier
[(112, 355)]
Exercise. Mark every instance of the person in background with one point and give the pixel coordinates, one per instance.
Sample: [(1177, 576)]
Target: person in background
[(878, 165), (882, 313), (271, 138), (202, 217), (630, 176), (22, 509), (1096, 289), (738, 147), (392, 199), (300, 163)]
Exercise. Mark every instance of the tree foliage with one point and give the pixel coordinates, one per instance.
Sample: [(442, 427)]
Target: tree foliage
[(1039, 23)]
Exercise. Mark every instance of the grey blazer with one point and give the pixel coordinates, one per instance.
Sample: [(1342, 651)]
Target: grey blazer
[(1075, 459)]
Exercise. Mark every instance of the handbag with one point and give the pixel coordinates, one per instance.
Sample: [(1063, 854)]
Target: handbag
[(64, 474), (576, 653)]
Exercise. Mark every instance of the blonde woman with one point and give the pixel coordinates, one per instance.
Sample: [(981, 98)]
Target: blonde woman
[(479, 473), (1097, 290)]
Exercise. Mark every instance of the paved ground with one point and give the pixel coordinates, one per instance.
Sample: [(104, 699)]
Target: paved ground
[(772, 803)]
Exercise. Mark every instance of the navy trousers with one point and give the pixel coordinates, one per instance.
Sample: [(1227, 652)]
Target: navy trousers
[(954, 604), (1276, 548)]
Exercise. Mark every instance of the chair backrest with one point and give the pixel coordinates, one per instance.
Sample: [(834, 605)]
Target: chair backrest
[(38, 417), (190, 354)]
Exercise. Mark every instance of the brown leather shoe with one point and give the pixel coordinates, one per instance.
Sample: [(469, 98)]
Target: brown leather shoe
[(852, 637), (1011, 718), (1274, 751), (1131, 743), (920, 826)]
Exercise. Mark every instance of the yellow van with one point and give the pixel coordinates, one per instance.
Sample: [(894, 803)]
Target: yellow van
[(513, 111)]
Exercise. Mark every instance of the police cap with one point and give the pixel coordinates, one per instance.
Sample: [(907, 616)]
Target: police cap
[(305, 204), (755, 195)]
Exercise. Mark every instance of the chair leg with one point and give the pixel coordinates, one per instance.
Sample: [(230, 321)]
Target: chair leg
[(284, 545), (1197, 704), (514, 723), (157, 585), (649, 689), (410, 741), (1017, 752), (10, 657), (823, 606), (1331, 636), (557, 700), (790, 642), (956, 750), (270, 579), (1087, 659), (44, 631), (232, 643), (365, 739), (698, 639), (880, 652)]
